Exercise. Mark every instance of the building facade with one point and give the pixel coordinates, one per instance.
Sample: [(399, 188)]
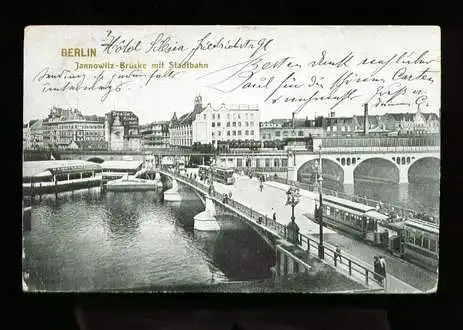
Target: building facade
[(155, 135), (282, 130), (181, 129), (36, 135), (412, 123), (122, 131), (208, 125), (238, 122), (27, 135), (63, 126)]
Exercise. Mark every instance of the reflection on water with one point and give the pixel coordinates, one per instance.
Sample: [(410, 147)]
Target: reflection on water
[(416, 196), (116, 240)]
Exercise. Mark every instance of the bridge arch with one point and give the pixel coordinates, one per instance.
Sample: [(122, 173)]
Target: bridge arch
[(261, 233), (332, 171), (424, 169), (379, 169), (97, 160)]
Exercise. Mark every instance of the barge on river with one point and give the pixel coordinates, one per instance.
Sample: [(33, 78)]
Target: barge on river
[(53, 176)]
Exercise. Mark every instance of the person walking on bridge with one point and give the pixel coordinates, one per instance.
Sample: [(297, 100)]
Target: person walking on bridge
[(337, 255), (382, 268), (274, 215), (261, 186)]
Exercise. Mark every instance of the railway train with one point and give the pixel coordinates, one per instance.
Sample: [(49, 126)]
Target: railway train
[(414, 240)]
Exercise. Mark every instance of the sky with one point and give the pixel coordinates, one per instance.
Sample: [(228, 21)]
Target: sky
[(308, 70)]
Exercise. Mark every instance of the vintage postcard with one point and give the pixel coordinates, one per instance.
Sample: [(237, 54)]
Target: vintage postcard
[(231, 158)]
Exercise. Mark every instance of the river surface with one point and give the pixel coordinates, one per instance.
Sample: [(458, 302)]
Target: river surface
[(89, 240), (92, 241), (422, 197)]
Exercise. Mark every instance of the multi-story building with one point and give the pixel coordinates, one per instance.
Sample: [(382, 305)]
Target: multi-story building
[(36, 135), (27, 134), (155, 135), (181, 129), (63, 126), (122, 131), (208, 125), (400, 123), (282, 130), (412, 123), (236, 122)]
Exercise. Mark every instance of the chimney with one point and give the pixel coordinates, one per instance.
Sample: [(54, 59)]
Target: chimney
[(365, 121)]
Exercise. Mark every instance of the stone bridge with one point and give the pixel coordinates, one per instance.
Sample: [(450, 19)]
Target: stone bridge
[(291, 247), (344, 165)]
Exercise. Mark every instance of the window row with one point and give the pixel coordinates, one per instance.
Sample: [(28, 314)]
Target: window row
[(81, 126), (234, 124), (266, 162), (236, 133), (234, 116), (422, 240)]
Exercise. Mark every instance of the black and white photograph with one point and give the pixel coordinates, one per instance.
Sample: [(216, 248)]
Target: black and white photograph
[(231, 159)]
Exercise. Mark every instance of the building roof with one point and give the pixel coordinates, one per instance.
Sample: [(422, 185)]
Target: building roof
[(234, 107), (121, 164), (47, 167), (95, 118), (30, 123)]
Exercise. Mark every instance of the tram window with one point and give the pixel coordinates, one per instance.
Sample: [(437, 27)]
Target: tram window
[(425, 242), (328, 210), (418, 239), (432, 245)]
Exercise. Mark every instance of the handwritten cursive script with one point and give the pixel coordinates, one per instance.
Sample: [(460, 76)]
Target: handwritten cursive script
[(331, 79), (105, 82)]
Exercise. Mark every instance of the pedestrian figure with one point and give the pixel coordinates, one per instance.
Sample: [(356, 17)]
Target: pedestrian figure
[(261, 186), (259, 220), (377, 270), (337, 254), (382, 265), (274, 215), (230, 194)]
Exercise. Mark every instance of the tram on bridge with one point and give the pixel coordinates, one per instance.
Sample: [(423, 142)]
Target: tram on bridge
[(220, 174), (414, 240)]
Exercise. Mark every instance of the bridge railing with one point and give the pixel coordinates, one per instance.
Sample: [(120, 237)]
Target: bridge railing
[(398, 149), (397, 213), (346, 263)]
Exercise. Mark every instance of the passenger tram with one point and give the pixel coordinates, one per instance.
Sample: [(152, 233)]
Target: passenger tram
[(222, 175), (415, 240)]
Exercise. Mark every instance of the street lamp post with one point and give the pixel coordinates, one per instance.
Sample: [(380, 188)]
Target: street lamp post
[(321, 252), (293, 198)]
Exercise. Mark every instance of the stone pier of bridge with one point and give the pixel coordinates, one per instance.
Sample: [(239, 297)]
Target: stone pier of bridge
[(172, 194), (206, 220), (203, 221)]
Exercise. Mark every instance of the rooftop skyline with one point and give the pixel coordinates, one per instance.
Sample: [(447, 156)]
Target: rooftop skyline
[(282, 69)]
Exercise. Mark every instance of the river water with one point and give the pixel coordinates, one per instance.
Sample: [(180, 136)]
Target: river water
[(422, 197), (100, 241), (89, 240)]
